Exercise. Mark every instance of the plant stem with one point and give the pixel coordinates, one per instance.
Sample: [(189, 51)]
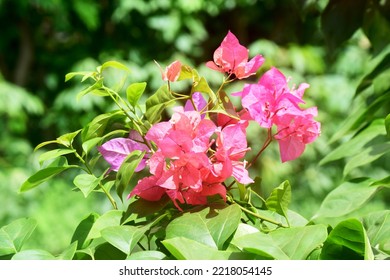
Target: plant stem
[(261, 217), (265, 145)]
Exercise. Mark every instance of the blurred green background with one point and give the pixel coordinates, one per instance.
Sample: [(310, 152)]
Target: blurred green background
[(42, 40)]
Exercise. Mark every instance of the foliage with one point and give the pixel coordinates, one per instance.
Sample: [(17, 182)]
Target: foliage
[(256, 221)]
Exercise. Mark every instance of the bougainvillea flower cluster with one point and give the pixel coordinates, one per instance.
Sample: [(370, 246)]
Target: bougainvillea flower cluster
[(191, 156)]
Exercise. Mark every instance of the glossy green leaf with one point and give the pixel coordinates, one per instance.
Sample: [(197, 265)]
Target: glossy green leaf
[(35, 254), (280, 199), (183, 248), (299, 242), (86, 183), (14, 235), (366, 156), (126, 171), (108, 219), (355, 144), (346, 198), (146, 255), (156, 104), (54, 154), (347, 241), (124, 237), (378, 229), (134, 92), (56, 167), (82, 231), (260, 244)]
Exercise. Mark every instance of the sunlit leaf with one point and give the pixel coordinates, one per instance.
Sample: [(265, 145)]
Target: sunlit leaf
[(86, 183), (134, 92), (54, 154), (146, 255), (108, 219), (156, 104), (280, 198), (124, 237), (14, 235), (59, 165), (69, 252), (82, 231)]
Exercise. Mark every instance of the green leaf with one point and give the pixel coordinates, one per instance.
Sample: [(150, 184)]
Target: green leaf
[(59, 165), (82, 231), (97, 85), (36, 254), (188, 249), (223, 223), (14, 235), (90, 144), (346, 198), (355, 144), (384, 182), (98, 126), (191, 226), (124, 237), (156, 104), (69, 252), (86, 183), (107, 251), (134, 92), (279, 199), (366, 156), (378, 229), (85, 74), (260, 244), (114, 64), (108, 219), (341, 19), (54, 154), (387, 125), (299, 242), (126, 171), (347, 241), (146, 255), (65, 140)]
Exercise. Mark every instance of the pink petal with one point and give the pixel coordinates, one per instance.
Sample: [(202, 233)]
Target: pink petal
[(197, 100), (249, 68), (147, 189), (173, 71), (116, 150), (240, 173), (290, 148)]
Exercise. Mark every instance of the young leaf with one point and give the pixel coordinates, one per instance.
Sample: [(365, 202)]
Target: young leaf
[(113, 64), (86, 183), (85, 74), (134, 92), (54, 154), (156, 104), (188, 249), (347, 241), (56, 167), (126, 171), (279, 199), (14, 235)]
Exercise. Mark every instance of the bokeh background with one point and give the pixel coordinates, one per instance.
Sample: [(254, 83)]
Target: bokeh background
[(42, 40)]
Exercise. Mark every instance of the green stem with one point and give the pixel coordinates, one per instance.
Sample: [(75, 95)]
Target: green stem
[(257, 215), (88, 169), (265, 145)]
